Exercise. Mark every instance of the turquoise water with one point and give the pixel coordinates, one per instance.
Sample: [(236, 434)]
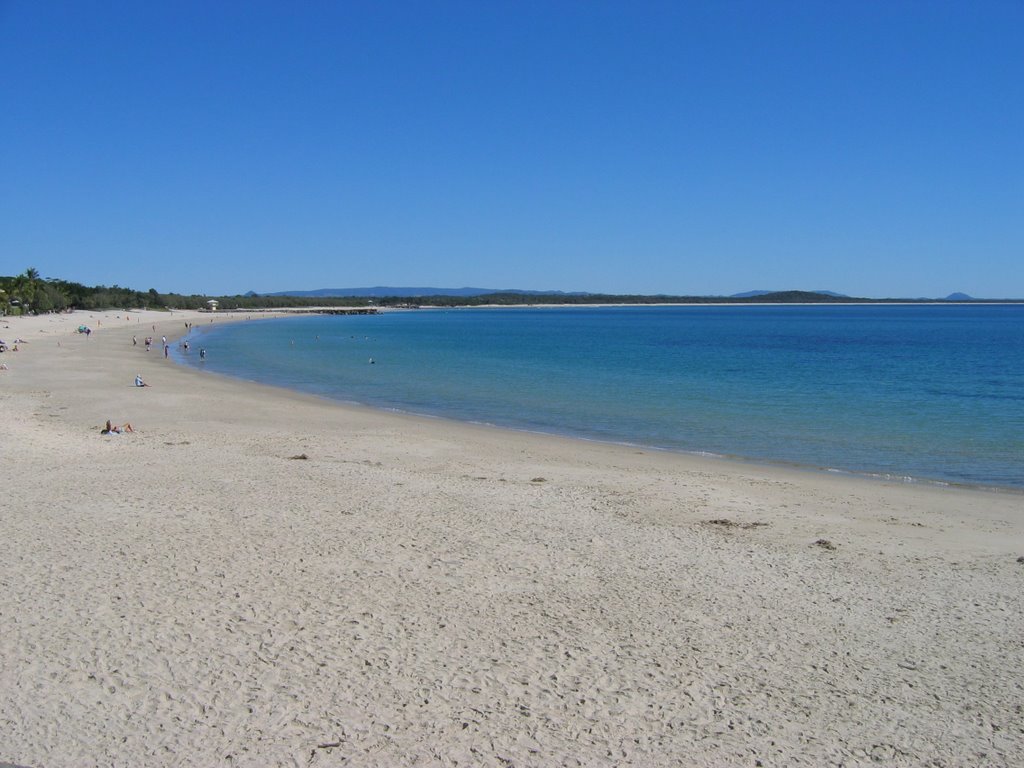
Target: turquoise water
[(923, 392)]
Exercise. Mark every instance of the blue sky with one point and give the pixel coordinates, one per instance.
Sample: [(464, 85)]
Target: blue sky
[(872, 148)]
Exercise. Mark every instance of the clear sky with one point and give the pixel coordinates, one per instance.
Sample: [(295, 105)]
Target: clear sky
[(871, 148)]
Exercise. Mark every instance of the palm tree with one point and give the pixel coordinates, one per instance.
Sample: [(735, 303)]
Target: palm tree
[(25, 287)]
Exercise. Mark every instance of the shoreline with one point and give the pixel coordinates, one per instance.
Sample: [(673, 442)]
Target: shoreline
[(868, 303), (264, 576), (766, 463)]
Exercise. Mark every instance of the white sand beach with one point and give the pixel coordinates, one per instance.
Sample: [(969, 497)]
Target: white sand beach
[(420, 592)]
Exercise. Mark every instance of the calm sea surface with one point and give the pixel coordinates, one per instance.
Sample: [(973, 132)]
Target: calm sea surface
[(923, 392)]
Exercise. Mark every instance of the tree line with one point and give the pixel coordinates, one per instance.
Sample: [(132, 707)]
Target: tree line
[(28, 293)]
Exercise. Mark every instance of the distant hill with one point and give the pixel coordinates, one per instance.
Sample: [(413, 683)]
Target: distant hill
[(752, 294), (418, 292), (472, 297), (385, 295), (406, 292), (798, 297)]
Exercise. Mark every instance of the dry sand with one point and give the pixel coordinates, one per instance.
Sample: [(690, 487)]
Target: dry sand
[(420, 592)]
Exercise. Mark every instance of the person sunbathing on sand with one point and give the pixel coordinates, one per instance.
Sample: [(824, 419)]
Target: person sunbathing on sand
[(115, 430), (139, 382)]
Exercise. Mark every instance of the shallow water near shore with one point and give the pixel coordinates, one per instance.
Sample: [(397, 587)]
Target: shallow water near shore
[(910, 392)]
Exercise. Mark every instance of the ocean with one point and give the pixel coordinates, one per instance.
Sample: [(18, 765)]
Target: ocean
[(911, 392)]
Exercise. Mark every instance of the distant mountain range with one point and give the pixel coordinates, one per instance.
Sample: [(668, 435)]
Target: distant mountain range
[(952, 297), (386, 290), (750, 294), (418, 292)]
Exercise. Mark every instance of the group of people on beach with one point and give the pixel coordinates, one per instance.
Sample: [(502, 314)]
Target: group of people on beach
[(114, 429), (148, 341)]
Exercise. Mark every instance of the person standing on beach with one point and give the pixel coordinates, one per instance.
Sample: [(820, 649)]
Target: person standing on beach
[(135, 341), (167, 351)]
